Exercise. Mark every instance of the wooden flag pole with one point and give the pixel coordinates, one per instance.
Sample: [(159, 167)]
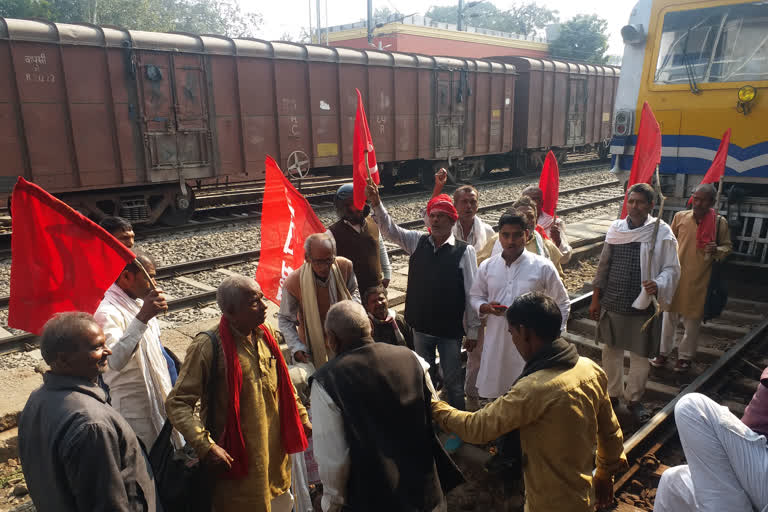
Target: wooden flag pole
[(653, 247), (152, 282), (719, 192)]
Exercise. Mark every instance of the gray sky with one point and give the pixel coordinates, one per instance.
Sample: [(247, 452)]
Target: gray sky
[(281, 16)]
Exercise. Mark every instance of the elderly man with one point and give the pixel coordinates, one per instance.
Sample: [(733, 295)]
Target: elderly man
[(77, 452), (500, 280), (138, 376), (250, 418), (560, 407), (727, 458), (625, 287), (441, 272), (703, 237), (358, 239), (388, 325), (373, 440), (553, 228), (119, 228), (323, 280), (470, 228)]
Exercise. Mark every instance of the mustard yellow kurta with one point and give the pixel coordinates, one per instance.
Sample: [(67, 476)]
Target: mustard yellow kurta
[(695, 265), (563, 416), (269, 472)]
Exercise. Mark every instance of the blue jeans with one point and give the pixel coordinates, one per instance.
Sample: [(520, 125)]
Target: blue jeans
[(450, 362)]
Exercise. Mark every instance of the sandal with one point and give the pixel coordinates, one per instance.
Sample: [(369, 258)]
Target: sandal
[(639, 412)]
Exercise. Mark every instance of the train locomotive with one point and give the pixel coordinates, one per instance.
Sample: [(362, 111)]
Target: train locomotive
[(703, 68), (130, 123)]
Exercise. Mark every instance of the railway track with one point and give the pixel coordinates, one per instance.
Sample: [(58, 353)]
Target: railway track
[(723, 370), (196, 292)]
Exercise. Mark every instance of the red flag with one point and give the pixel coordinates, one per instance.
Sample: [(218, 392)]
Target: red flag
[(62, 261), (287, 220), (717, 169), (549, 183), (363, 156), (647, 152)]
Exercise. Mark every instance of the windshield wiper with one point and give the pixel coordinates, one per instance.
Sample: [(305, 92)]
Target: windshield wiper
[(689, 71)]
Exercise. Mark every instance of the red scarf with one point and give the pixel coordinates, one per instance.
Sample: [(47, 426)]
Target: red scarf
[(705, 233), (541, 231), (294, 439)]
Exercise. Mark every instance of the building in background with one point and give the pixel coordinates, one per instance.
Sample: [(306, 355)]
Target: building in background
[(420, 34)]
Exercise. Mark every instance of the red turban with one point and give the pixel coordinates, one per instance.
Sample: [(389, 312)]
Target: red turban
[(442, 204)]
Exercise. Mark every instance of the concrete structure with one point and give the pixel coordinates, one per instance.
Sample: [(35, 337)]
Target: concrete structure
[(419, 34)]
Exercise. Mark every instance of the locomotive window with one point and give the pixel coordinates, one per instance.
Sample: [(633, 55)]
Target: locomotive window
[(727, 43)]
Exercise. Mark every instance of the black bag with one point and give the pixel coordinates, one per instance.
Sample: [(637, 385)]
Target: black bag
[(183, 483), (717, 292)]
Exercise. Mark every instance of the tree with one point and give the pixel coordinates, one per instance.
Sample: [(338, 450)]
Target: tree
[(584, 37), (195, 16), (523, 18)]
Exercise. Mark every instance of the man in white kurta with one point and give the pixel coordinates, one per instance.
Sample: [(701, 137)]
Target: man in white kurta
[(500, 280), (138, 377)]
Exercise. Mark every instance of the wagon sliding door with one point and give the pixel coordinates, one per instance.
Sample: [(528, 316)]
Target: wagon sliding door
[(450, 98), (174, 115), (577, 111)]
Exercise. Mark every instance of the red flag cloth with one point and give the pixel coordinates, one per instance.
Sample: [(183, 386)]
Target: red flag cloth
[(62, 261), (647, 152), (287, 220), (549, 183), (363, 155), (291, 429), (705, 232), (717, 169)]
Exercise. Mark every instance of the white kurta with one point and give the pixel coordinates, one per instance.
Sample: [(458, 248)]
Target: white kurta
[(501, 363)]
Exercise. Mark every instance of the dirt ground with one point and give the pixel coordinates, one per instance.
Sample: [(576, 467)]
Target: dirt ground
[(13, 492)]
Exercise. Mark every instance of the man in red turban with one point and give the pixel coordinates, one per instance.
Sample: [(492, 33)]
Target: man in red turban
[(440, 275)]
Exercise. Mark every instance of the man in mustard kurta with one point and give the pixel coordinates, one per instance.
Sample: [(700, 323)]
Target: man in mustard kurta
[(254, 474), (561, 408), (703, 237)]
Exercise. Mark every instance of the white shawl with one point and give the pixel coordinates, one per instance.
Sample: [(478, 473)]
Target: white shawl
[(149, 358), (665, 269)]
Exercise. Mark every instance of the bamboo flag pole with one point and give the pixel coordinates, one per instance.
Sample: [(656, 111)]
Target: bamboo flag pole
[(653, 247), (152, 282), (719, 192)]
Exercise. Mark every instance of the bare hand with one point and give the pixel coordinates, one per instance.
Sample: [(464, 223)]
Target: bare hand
[(301, 356), (554, 234), (650, 287), (307, 429), (217, 457), (710, 248), (385, 283), (603, 490), (469, 344), (594, 308), (154, 304), (441, 177), (489, 309), (372, 193)]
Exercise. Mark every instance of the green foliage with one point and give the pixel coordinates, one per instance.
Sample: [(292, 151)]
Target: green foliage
[(195, 16), (584, 37), (523, 18)]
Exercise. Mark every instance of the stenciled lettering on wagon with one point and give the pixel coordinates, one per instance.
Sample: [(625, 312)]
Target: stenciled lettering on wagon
[(381, 121), (38, 75)]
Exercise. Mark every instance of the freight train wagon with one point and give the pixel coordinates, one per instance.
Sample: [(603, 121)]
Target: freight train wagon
[(703, 68)]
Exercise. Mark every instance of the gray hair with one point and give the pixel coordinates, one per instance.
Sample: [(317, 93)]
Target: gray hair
[(145, 260), (348, 321), (645, 189), (706, 188), (63, 333), (234, 291), (324, 237)]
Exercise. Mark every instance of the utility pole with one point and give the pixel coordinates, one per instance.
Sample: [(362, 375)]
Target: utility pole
[(310, 20), (319, 25), (460, 20), (370, 21)]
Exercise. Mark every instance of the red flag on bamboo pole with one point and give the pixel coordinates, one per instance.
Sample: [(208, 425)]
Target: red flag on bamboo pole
[(717, 169), (647, 152), (62, 261), (363, 156), (549, 183), (287, 220)]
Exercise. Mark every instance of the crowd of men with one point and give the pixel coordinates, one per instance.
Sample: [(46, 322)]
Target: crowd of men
[(367, 393)]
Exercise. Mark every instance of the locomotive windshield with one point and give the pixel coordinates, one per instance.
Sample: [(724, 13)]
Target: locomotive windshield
[(727, 43)]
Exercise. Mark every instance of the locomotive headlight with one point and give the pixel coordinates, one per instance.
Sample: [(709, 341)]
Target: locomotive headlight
[(747, 94)]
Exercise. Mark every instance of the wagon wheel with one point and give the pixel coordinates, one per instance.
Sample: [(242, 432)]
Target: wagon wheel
[(298, 164), (181, 210)]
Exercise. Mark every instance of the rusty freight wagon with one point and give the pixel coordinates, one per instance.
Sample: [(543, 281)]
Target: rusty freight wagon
[(127, 122), (563, 106)]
